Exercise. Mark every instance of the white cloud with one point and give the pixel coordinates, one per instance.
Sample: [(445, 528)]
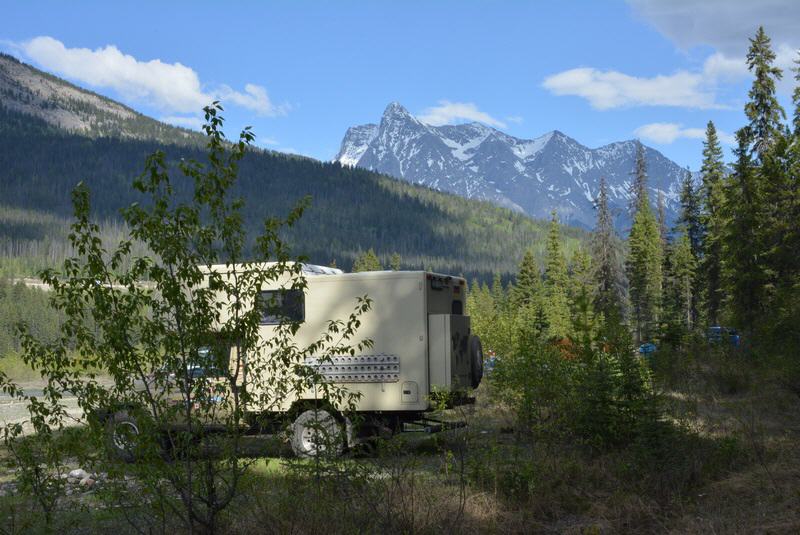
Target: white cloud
[(451, 112), (516, 119), (725, 25), (254, 98), (719, 67), (172, 87), (666, 133), (612, 89)]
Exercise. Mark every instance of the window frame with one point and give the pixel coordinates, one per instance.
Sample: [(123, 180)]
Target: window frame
[(281, 314)]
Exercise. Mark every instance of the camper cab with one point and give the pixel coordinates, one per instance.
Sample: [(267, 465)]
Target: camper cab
[(422, 341)]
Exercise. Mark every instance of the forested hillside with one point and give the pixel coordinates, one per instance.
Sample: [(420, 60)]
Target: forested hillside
[(66, 106), (351, 209)]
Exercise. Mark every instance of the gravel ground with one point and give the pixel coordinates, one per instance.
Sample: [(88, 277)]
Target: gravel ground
[(13, 410)]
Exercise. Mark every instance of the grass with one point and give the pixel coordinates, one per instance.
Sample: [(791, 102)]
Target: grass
[(16, 370), (727, 462)]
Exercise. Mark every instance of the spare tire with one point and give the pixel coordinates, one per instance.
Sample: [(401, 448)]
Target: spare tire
[(476, 360)]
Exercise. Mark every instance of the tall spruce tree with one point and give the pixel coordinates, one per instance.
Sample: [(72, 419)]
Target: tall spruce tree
[(529, 281), (712, 173), (499, 294), (607, 258), (690, 223), (663, 232), (763, 110), (796, 98), (638, 188), (555, 285), (690, 215), (680, 283), (644, 266), (755, 192), (581, 290), (779, 185), (743, 267)]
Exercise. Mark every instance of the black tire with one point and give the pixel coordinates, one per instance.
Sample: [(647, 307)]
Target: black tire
[(317, 432), (122, 436), (476, 360)]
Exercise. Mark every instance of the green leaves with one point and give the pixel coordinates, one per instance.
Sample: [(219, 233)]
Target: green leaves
[(144, 323)]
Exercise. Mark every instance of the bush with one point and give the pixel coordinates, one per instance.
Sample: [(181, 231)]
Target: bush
[(599, 393)]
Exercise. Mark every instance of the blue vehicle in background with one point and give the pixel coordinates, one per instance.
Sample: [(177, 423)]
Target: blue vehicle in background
[(723, 335), (647, 349)]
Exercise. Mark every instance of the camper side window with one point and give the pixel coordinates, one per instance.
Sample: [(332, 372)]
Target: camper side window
[(282, 306)]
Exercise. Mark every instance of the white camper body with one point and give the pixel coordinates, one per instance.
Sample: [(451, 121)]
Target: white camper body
[(422, 341)]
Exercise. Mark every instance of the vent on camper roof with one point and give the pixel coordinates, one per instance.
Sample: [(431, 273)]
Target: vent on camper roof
[(311, 269)]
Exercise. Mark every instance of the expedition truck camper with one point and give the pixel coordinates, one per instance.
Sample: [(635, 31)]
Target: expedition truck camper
[(422, 344)]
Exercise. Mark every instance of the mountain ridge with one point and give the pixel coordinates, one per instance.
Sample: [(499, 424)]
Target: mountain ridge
[(534, 176)]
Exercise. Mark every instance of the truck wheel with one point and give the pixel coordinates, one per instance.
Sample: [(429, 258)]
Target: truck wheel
[(317, 432), (122, 436), (476, 360)]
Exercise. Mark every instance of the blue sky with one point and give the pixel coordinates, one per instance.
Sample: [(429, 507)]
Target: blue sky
[(302, 72)]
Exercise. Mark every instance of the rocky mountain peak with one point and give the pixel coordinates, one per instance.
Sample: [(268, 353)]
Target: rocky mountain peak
[(535, 176)]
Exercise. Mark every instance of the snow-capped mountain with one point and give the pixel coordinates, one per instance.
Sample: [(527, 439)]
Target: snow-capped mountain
[(535, 176)]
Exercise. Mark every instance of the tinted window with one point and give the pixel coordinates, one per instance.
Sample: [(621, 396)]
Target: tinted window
[(282, 306), (457, 307), (211, 361)]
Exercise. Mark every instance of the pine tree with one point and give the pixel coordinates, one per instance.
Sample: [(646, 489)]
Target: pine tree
[(606, 247), (581, 290), (367, 261), (644, 268), (639, 184), (394, 262), (785, 244), (754, 201), (680, 283), (499, 294), (796, 98), (690, 216), (529, 280), (555, 284), (662, 219), (690, 223), (743, 269), (763, 110), (712, 174), (580, 275)]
